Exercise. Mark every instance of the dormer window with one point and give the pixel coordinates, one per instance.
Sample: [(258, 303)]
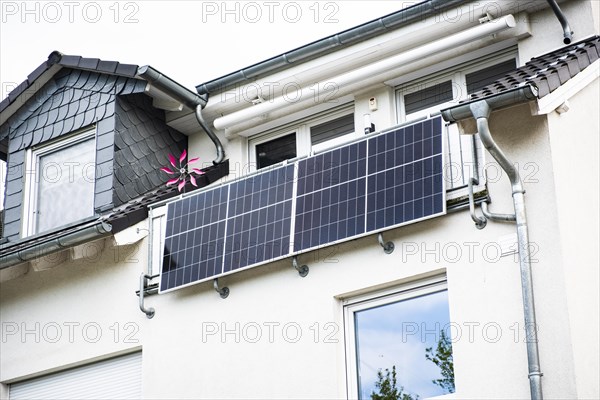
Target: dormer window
[(59, 185)]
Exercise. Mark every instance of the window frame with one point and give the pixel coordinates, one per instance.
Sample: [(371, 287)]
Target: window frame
[(302, 128), (458, 76), (406, 291), (32, 174)]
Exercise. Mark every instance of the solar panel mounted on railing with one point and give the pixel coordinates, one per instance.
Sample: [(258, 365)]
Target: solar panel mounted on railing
[(381, 182)]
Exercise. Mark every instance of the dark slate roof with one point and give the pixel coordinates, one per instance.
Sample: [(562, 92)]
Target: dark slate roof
[(56, 58), (547, 72)]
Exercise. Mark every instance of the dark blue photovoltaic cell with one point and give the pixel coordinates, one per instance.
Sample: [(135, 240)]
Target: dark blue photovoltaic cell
[(194, 238), (259, 222), (330, 201), (405, 181)]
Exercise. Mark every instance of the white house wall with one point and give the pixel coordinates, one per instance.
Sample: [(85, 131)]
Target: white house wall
[(73, 313), (574, 143)]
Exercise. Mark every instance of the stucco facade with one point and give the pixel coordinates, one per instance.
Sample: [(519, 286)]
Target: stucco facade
[(278, 335)]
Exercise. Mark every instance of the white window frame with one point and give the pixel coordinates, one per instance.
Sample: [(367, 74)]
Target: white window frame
[(352, 305), (32, 174), (302, 127), (158, 230), (457, 75), (3, 180)]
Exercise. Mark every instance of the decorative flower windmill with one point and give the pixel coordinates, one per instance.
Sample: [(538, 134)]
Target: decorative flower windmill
[(182, 170)]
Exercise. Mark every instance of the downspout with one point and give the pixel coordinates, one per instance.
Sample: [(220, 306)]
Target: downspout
[(481, 110), (568, 33), (187, 97)]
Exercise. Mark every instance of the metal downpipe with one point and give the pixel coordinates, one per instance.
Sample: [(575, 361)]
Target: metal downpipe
[(568, 33), (211, 135), (187, 97), (481, 112)]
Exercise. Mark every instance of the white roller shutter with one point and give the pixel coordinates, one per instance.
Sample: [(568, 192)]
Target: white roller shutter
[(116, 378)]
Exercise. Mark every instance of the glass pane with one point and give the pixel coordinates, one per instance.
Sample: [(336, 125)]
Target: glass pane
[(332, 129), (428, 97), (480, 79), (276, 150), (400, 341), (65, 190)]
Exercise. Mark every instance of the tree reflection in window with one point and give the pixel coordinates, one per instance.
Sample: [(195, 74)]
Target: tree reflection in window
[(404, 349)]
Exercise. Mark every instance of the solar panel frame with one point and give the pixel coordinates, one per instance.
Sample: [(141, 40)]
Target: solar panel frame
[(290, 176), (345, 181), (440, 151)]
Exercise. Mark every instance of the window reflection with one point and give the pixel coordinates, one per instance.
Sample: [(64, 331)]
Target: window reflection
[(403, 348)]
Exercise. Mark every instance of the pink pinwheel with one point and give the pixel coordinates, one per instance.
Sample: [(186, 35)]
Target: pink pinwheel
[(182, 170)]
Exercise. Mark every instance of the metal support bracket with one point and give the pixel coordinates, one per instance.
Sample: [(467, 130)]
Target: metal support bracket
[(302, 270), (224, 292), (144, 278), (388, 247), (480, 222)]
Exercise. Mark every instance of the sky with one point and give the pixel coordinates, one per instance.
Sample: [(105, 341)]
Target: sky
[(190, 41)]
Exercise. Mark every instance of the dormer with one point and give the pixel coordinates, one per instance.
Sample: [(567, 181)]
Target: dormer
[(84, 141)]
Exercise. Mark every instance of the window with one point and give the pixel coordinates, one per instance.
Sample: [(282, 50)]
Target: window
[(276, 150), (398, 335), (421, 98), (302, 137), (60, 185), (334, 129)]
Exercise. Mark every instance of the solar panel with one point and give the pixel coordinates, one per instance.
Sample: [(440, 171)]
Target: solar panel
[(194, 238), (405, 181), (330, 202), (378, 183), (259, 218)]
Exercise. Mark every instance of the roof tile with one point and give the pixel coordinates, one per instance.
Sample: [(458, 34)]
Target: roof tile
[(88, 63), (107, 66), (70, 61), (127, 70), (549, 71)]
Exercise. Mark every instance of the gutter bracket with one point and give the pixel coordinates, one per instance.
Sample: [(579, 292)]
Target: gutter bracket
[(223, 292), (144, 278), (388, 247), (302, 270)]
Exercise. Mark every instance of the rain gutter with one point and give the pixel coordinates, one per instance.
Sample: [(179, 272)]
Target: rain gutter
[(319, 48), (82, 235)]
